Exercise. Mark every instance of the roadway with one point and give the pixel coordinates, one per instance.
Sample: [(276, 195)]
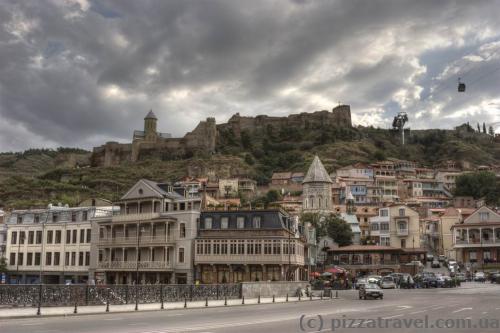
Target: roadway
[(472, 301)]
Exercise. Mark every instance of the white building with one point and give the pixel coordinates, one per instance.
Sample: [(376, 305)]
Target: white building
[(52, 244), (3, 234)]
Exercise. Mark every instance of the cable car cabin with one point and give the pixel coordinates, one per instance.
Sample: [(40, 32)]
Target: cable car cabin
[(461, 87)]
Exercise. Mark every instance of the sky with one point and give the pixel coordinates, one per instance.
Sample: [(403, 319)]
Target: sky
[(78, 73)]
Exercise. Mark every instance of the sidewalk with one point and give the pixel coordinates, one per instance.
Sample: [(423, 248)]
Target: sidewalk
[(26, 312)]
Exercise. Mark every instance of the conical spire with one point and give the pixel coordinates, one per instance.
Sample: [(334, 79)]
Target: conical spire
[(317, 173), (150, 115)]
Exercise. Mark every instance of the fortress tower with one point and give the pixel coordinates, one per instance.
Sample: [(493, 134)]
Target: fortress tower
[(150, 133)]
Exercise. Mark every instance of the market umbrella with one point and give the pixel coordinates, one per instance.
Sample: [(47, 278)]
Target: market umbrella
[(326, 274), (335, 270)]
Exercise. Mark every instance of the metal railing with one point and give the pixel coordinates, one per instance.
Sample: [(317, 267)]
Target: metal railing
[(134, 264), (62, 295), (133, 240)]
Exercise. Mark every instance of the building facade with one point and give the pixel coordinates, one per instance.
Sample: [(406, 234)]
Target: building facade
[(49, 245), (150, 240), (248, 245), (476, 240), (317, 189)]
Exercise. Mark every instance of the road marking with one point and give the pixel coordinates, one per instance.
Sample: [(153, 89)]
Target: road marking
[(399, 315), (439, 307), (418, 312), (404, 307), (30, 324), (462, 309), (176, 315), (111, 319), (485, 312)]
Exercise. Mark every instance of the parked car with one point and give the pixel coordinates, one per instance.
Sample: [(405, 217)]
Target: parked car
[(430, 257), (427, 280), (371, 290), (361, 282), (388, 283), (452, 264), (397, 277), (461, 277), (442, 258), (443, 281), (435, 264), (407, 281), (479, 277), (374, 279)]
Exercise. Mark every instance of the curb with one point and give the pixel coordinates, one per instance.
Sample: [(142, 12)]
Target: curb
[(157, 310)]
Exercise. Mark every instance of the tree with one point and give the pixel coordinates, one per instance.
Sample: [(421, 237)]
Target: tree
[(484, 128), (478, 185), (272, 196), (3, 265), (478, 128), (338, 230)]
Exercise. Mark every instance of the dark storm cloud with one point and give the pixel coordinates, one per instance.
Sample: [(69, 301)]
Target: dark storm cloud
[(80, 72)]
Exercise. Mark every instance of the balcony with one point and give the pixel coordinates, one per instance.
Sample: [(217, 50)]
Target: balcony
[(477, 243), (136, 217), (132, 265), (132, 240), (249, 259), (402, 232)]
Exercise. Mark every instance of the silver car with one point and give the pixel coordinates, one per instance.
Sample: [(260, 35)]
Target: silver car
[(388, 283), (371, 290)]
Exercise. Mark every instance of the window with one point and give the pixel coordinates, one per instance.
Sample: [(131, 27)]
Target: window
[(19, 219), (232, 247), (50, 235), (403, 243), (208, 223), (39, 237), (256, 222), (85, 215), (250, 247), (207, 247), (36, 218), (276, 247), (66, 258), (385, 241), (87, 258), (57, 258), (267, 247), (224, 222), (384, 212), (82, 236), (258, 247), (73, 238), (68, 236), (241, 247), (13, 237), (38, 258), (29, 259), (384, 226), (58, 237), (80, 258), (374, 226), (73, 258), (223, 247), (199, 247), (89, 235), (182, 230), (31, 237), (12, 260), (48, 258), (240, 222), (401, 212), (484, 216), (20, 259), (181, 255), (216, 247), (55, 217)]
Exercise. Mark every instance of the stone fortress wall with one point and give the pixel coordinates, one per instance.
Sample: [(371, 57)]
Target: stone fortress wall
[(203, 139)]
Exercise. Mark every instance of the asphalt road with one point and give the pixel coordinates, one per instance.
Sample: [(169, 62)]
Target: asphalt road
[(472, 305)]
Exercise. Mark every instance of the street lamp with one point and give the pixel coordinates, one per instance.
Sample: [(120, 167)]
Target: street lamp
[(139, 232), (21, 240)]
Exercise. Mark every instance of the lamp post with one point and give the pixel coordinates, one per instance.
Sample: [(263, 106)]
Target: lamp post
[(21, 239), (139, 232)]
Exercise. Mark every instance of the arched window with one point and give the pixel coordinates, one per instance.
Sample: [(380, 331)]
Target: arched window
[(311, 201)]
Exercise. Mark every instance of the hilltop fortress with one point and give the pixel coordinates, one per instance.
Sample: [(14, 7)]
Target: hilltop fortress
[(203, 139)]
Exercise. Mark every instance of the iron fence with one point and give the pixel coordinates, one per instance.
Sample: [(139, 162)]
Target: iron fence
[(70, 295)]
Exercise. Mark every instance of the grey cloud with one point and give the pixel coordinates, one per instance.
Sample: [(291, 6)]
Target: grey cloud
[(192, 59)]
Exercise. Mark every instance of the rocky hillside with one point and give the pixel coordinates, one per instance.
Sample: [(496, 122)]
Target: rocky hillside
[(36, 177)]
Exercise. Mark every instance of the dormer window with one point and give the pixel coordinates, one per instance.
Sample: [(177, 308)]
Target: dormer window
[(256, 222), (224, 222), (240, 222), (484, 216), (141, 191), (208, 222)]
